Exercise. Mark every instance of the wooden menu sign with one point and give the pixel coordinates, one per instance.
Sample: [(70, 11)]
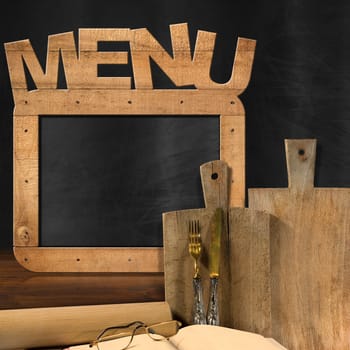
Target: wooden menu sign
[(89, 94)]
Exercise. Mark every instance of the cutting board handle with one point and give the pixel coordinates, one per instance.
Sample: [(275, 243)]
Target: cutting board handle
[(215, 182), (301, 155)]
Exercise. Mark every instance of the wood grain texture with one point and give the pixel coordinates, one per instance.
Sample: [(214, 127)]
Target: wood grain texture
[(26, 181), (232, 142), (129, 102), (44, 327), (89, 94), (242, 64), (34, 307), (215, 180), (15, 58), (178, 66), (89, 37), (108, 259), (244, 290), (80, 64), (178, 264), (26, 221), (244, 287), (309, 256), (249, 270), (21, 289)]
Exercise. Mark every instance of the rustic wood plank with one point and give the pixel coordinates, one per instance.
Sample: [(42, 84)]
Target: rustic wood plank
[(244, 287), (80, 65), (301, 158), (178, 69), (26, 231), (81, 72), (88, 63), (241, 68), (177, 260), (45, 327), (43, 79), (140, 102), (249, 293), (244, 291), (89, 37), (22, 289), (215, 179), (25, 137), (243, 63), (178, 264), (88, 94), (310, 256), (178, 66), (115, 259), (232, 150), (142, 39), (26, 182)]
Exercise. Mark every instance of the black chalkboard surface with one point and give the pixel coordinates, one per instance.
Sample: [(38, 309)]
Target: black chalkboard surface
[(106, 180)]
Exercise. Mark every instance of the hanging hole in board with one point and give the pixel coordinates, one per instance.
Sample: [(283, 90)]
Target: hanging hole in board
[(214, 176)]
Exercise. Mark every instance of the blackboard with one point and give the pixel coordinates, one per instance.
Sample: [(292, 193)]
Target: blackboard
[(106, 180)]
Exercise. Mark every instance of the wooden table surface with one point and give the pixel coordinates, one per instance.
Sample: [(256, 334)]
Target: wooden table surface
[(20, 288)]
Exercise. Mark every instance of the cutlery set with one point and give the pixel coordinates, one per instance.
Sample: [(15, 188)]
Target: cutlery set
[(284, 259), (242, 297), (195, 249)]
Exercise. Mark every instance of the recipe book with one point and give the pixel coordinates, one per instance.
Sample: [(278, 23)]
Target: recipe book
[(195, 337)]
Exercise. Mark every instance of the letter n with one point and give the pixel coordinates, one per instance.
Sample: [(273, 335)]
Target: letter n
[(144, 46)]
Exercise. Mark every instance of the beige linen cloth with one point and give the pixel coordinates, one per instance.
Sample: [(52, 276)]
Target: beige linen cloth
[(205, 337)]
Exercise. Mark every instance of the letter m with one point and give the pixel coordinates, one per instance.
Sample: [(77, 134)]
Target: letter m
[(20, 53)]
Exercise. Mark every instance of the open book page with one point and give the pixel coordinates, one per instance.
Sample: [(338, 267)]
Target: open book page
[(195, 337), (140, 342), (205, 337)]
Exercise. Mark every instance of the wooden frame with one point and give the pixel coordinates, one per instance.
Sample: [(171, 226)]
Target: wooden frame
[(47, 100)]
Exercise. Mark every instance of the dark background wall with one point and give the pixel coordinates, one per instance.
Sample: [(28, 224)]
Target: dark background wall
[(300, 83)]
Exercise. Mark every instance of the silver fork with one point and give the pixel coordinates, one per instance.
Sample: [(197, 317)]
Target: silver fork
[(195, 250)]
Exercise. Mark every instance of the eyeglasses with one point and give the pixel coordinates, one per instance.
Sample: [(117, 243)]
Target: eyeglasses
[(125, 334)]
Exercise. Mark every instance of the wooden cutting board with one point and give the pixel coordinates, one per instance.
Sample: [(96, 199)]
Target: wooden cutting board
[(310, 256), (244, 286)]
